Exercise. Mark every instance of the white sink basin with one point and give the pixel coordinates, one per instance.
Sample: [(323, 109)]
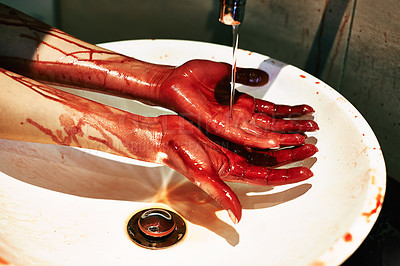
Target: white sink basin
[(68, 206)]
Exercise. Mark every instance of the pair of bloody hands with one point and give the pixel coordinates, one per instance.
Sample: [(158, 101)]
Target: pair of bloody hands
[(243, 148), (203, 142)]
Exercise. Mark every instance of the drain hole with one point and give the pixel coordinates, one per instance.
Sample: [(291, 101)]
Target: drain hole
[(156, 228)]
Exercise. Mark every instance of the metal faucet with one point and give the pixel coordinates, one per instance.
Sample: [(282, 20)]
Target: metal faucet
[(232, 11)]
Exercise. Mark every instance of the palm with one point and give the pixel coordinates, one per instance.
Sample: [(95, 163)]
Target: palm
[(200, 91)]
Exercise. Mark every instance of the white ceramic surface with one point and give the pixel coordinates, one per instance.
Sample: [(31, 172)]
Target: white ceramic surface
[(67, 206)]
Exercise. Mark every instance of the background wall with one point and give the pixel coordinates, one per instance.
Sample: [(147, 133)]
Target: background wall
[(354, 46)]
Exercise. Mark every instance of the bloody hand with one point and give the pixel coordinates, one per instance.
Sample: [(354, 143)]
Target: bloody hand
[(207, 164), (200, 91)]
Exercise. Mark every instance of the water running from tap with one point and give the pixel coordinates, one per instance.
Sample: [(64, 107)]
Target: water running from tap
[(235, 34)]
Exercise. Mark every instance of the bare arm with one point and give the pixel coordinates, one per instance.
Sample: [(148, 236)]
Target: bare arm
[(31, 111)]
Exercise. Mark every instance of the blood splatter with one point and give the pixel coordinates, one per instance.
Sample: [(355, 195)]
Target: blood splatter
[(379, 201), (348, 237)]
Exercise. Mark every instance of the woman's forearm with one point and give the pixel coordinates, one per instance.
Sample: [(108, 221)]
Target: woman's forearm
[(39, 51), (31, 111)]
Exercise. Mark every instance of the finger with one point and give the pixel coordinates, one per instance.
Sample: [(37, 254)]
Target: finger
[(256, 175), (287, 126), (207, 179), (266, 157), (251, 77), (274, 158), (281, 110), (254, 137), (266, 140), (221, 193), (286, 140), (250, 135), (247, 134)]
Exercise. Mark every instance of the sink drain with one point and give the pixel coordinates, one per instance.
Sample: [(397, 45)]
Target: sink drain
[(156, 228)]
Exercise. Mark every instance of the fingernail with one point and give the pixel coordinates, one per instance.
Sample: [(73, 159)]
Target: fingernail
[(308, 109), (233, 217), (312, 126)]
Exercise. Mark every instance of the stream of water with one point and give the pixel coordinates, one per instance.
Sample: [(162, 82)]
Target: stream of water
[(235, 34)]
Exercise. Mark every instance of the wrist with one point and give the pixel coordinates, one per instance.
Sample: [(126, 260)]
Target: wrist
[(152, 90), (137, 137)]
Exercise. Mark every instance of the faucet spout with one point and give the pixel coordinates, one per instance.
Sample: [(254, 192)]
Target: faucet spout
[(232, 12)]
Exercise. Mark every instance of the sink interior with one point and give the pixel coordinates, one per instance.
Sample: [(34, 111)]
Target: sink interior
[(69, 206)]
